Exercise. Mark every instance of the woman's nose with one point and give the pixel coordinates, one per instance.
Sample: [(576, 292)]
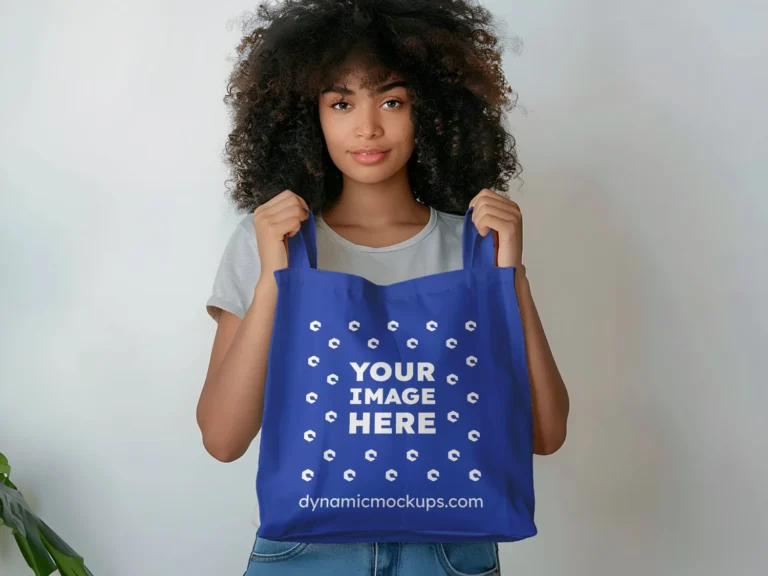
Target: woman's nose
[(369, 122)]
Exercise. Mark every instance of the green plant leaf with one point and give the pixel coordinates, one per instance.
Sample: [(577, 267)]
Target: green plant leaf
[(33, 560), (69, 564), (43, 550), (5, 468)]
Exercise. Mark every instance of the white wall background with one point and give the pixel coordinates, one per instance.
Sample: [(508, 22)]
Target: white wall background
[(642, 132)]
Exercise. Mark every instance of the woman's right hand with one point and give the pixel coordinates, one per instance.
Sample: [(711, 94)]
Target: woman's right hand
[(274, 221)]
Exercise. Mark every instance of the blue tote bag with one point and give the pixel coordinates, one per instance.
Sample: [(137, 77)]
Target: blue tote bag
[(398, 412)]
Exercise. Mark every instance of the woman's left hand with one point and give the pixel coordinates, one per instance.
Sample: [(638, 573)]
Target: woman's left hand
[(495, 212)]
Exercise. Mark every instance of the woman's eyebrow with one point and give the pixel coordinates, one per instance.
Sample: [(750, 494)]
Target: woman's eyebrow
[(380, 90)]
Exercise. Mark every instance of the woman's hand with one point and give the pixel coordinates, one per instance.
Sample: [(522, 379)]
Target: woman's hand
[(500, 214), (274, 221)]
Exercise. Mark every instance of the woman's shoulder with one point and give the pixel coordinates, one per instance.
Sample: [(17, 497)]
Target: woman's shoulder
[(238, 271), (450, 226), (246, 224), (448, 218)]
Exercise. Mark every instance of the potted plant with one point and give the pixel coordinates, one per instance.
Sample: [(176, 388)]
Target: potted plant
[(43, 550)]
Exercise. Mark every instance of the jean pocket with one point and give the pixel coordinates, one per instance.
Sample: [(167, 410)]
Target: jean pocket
[(469, 558), (275, 551)]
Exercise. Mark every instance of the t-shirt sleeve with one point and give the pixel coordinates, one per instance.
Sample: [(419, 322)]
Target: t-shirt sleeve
[(237, 274)]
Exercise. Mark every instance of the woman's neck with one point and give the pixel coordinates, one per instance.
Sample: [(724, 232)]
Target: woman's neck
[(380, 214), (379, 205)]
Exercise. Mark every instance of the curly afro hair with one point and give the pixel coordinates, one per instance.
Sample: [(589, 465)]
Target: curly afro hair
[(446, 50)]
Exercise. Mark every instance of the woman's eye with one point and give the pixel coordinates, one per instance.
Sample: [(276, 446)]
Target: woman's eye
[(347, 104)]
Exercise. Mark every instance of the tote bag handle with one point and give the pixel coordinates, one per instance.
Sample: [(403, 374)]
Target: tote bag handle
[(478, 251), (302, 246)]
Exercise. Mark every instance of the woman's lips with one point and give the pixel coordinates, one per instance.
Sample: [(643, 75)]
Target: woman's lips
[(370, 158)]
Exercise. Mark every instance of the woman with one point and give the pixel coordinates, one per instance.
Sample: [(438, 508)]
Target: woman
[(382, 117)]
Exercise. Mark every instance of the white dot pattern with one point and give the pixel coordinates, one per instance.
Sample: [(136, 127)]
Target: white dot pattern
[(453, 417)]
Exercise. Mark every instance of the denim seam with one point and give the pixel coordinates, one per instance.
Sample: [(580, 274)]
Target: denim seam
[(443, 558), (280, 556)]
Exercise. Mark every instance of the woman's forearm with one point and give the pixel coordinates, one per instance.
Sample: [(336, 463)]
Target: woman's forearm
[(231, 404), (548, 392)]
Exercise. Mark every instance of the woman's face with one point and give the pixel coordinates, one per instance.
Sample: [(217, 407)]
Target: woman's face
[(353, 120)]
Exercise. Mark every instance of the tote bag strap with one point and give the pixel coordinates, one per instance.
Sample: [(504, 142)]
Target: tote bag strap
[(302, 246), (478, 251)]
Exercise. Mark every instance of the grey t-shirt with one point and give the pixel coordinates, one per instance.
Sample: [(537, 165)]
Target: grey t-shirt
[(436, 248)]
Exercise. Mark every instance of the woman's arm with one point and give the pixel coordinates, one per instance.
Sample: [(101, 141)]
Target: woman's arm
[(548, 393), (231, 404), (497, 213), (232, 401)]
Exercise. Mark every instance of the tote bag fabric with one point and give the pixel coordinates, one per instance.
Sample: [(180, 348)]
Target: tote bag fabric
[(400, 412)]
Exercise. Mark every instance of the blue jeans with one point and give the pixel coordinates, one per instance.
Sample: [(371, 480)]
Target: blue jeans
[(272, 558)]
